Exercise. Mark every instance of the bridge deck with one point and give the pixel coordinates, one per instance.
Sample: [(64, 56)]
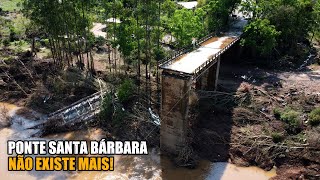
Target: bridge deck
[(192, 62), (188, 63)]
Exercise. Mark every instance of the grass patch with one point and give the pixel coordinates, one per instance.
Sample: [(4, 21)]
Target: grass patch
[(314, 117), (291, 117), (44, 53), (10, 5), (112, 112), (277, 137), (19, 46)]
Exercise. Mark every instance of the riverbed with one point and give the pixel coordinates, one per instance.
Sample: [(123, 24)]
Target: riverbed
[(152, 166)]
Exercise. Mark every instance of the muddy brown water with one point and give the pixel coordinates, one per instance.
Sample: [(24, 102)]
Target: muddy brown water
[(152, 166)]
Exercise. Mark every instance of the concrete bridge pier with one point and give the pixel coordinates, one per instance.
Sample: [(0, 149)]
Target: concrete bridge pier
[(209, 79), (213, 76), (175, 103), (174, 111)]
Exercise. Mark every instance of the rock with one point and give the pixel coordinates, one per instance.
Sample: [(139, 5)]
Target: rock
[(282, 156)]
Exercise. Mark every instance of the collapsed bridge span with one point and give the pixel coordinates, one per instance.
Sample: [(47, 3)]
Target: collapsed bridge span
[(188, 71)]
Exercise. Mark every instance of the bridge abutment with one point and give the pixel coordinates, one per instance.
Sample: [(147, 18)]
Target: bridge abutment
[(174, 111)]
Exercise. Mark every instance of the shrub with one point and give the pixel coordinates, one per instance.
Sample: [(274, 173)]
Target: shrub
[(6, 42), (58, 86), (106, 107), (126, 91), (118, 117), (277, 137), (100, 41), (277, 113), (292, 118), (111, 111), (13, 35), (314, 117), (159, 53), (44, 42)]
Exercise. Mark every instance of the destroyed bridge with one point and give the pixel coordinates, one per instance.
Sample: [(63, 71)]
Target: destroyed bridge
[(186, 71)]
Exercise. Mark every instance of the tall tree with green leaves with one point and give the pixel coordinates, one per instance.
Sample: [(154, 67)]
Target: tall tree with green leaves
[(185, 25), (294, 19), (261, 36), (67, 25)]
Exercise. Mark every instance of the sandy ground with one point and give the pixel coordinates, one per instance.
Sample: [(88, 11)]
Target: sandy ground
[(307, 81)]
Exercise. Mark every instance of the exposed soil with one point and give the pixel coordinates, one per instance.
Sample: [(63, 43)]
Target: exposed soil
[(39, 85)]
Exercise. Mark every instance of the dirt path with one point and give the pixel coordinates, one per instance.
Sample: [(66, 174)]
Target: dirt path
[(97, 29), (307, 81)]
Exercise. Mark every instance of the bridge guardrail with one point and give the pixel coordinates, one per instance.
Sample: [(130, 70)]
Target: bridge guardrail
[(169, 60), (75, 103)]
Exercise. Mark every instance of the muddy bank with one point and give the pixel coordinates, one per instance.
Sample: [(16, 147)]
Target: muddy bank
[(240, 124), (38, 84), (152, 166)]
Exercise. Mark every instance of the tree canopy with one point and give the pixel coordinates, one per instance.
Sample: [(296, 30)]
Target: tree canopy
[(286, 21)]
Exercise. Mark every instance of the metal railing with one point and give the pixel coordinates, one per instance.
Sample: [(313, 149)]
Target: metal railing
[(169, 60), (76, 103)]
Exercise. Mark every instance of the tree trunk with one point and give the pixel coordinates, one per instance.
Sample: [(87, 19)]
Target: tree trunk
[(138, 40)]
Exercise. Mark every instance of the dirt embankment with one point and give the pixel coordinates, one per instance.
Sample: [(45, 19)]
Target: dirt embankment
[(261, 119), (41, 85)]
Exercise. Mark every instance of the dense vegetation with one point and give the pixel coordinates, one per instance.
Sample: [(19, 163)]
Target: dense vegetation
[(280, 27), (65, 27), (276, 29)]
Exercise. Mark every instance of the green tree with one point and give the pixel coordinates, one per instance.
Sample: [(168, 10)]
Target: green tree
[(316, 24), (126, 91), (218, 12), (260, 36), (67, 25), (293, 18), (185, 25)]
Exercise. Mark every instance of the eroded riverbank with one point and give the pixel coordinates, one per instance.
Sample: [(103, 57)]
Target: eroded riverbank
[(152, 166)]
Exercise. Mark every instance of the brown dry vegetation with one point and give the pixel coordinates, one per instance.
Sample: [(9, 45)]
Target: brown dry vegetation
[(240, 124), (4, 117), (37, 84)]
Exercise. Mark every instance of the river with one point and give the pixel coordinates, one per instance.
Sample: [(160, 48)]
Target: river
[(152, 166)]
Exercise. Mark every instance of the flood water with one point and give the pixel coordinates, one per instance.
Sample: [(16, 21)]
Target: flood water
[(152, 166)]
